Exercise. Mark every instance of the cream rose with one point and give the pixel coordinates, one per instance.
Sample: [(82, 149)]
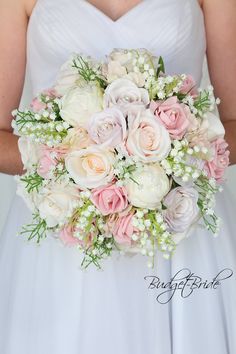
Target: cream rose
[(68, 77), (29, 152), (57, 202), (91, 167), (124, 93), (148, 187), (80, 103), (148, 139), (113, 70), (76, 139)]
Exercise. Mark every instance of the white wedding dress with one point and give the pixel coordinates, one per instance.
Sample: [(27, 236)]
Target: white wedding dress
[(47, 304)]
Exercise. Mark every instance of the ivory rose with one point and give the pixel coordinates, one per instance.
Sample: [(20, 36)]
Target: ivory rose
[(148, 186), (108, 127), (29, 152), (174, 116), (57, 201), (79, 103), (182, 209), (113, 70), (91, 167), (206, 130), (124, 93), (76, 139), (110, 199), (147, 139), (217, 165), (68, 77)]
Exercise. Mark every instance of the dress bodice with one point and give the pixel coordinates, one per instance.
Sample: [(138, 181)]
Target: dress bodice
[(171, 28)]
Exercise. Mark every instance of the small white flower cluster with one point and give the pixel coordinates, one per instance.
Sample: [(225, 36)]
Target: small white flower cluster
[(164, 86), (50, 133), (179, 163), (152, 232), (205, 102), (124, 168), (207, 191)]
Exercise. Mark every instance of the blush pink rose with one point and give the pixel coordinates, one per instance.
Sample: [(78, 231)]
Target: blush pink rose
[(123, 229), (48, 159), (66, 236), (217, 165), (37, 105), (189, 87), (110, 199), (174, 116)]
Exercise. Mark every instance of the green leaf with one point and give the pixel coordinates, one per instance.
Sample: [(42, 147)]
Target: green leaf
[(161, 67)]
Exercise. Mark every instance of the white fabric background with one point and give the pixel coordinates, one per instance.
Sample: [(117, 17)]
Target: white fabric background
[(7, 183)]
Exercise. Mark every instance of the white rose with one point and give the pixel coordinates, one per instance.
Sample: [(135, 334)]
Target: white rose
[(148, 187), (138, 78), (124, 93), (80, 103), (215, 127), (206, 130), (67, 77), (147, 139), (123, 56), (57, 202), (113, 70), (91, 167), (29, 152)]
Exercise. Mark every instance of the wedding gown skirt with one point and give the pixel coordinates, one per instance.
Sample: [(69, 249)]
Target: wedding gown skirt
[(48, 305)]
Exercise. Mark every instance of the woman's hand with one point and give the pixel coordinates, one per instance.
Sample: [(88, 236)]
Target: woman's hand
[(220, 21)]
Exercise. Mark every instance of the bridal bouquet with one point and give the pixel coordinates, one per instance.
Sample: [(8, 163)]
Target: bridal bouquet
[(120, 156)]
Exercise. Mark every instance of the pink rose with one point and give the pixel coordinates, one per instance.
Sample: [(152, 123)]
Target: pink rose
[(66, 236), (108, 127), (48, 160), (37, 105), (110, 199), (174, 116), (217, 165), (122, 229), (147, 139), (189, 87)]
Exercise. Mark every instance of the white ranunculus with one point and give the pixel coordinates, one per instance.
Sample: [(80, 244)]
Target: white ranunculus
[(124, 93), (57, 202), (29, 152), (67, 77), (91, 167), (80, 103), (147, 139), (182, 209), (148, 186)]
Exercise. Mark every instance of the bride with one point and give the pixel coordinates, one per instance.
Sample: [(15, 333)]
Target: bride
[(48, 305)]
